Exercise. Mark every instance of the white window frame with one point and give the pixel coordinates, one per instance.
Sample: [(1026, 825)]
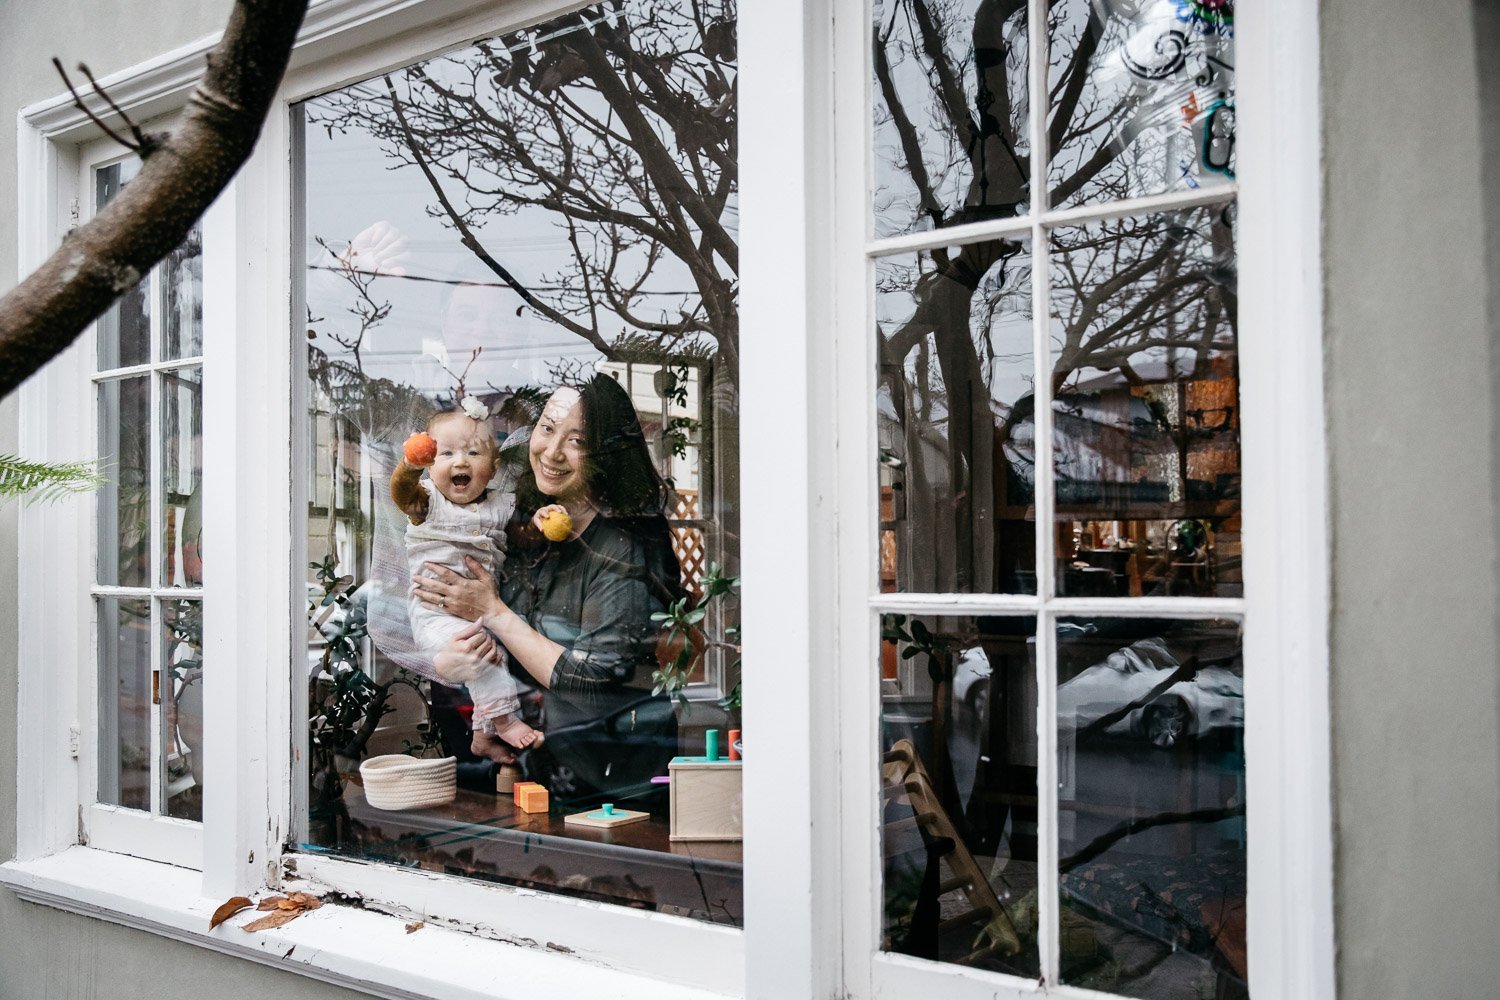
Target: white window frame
[(108, 827), (1284, 609), (807, 499)]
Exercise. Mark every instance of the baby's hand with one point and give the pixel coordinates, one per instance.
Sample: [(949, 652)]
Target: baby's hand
[(553, 522), (420, 450)]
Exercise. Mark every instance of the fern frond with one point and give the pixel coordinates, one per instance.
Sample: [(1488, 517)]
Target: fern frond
[(33, 481)]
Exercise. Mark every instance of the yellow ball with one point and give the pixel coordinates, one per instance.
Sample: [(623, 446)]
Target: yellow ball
[(556, 525)]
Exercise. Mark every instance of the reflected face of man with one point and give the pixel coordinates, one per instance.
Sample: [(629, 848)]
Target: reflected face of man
[(465, 461), (475, 317), (558, 455)]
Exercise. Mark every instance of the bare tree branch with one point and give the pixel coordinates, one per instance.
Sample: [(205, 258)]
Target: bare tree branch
[(152, 215)]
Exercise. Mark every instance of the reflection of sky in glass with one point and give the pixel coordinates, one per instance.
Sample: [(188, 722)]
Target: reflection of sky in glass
[(999, 321), (352, 184), (1153, 84), (945, 153), (354, 180)]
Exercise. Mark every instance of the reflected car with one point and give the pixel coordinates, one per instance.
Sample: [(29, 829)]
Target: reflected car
[(1212, 700), (971, 683)]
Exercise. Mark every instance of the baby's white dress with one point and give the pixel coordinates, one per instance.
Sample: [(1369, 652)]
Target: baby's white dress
[(450, 532)]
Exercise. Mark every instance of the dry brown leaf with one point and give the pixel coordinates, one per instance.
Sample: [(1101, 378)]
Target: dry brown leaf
[(414, 926), (282, 909), (228, 909), (275, 919)]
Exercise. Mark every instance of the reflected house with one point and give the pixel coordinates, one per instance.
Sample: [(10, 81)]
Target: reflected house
[(1148, 472), (1147, 484)]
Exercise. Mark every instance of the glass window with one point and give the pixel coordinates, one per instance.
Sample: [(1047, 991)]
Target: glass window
[(1151, 805), (1142, 98), (149, 560), (954, 400), (951, 114), (1057, 399), (521, 461), (1145, 406)]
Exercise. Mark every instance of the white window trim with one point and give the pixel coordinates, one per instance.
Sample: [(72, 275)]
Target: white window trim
[(1285, 608)]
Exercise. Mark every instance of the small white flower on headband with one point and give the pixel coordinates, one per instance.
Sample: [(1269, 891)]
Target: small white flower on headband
[(474, 408)]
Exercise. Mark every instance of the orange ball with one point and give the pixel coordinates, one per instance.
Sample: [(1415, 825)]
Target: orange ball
[(556, 525), (420, 449)]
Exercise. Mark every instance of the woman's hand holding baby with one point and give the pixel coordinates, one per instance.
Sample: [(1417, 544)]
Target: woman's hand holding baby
[(465, 656), (469, 598)]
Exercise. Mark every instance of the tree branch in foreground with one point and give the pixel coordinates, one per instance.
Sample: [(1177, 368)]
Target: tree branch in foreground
[(152, 215)]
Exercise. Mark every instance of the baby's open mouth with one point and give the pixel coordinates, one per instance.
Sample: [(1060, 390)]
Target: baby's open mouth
[(461, 480)]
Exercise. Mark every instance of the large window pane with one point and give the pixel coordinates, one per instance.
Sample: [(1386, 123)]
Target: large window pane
[(950, 91), (1142, 98), (1151, 807), (958, 784), (125, 702), (1146, 406), (954, 405), (124, 551), (530, 243)]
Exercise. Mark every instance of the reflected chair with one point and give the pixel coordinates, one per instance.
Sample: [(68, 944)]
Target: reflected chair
[(904, 779)]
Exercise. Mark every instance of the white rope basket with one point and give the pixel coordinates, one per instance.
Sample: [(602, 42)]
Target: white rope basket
[(396, 781)]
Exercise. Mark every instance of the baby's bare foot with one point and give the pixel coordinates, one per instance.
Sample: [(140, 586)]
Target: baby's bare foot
[(518, 734), (485, 745)]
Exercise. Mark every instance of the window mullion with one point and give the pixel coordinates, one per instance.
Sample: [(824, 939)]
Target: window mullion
[(153, 469), (1042, 498), (974, 232)]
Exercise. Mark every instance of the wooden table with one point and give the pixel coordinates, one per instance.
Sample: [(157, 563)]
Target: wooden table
[(484, 836)]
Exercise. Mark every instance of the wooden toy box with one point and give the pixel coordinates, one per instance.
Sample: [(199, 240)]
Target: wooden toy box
[(706, 799)]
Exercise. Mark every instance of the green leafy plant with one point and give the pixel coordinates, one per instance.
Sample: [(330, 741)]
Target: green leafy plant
[(916, 640), (46, 481), (684, 628), (345, 705)]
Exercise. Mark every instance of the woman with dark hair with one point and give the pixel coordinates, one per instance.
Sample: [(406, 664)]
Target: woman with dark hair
[(575, 615)]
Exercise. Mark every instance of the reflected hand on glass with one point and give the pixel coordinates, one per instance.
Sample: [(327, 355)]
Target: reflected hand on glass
[(380, 248)]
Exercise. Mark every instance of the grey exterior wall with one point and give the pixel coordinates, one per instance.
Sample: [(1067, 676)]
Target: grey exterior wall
[(1412, 248), (46, 954), (1411, 399)]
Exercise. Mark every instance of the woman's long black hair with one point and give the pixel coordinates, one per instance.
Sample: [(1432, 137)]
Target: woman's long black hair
[(620, 477)]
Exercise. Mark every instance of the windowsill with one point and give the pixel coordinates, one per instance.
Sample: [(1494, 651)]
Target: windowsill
[(339, 944)]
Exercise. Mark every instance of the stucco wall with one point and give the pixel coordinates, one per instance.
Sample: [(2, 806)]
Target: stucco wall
[(1411, 403), (46, 954)]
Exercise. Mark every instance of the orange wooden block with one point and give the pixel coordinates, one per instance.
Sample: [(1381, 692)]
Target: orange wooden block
[(518, 787), (532, 799)]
